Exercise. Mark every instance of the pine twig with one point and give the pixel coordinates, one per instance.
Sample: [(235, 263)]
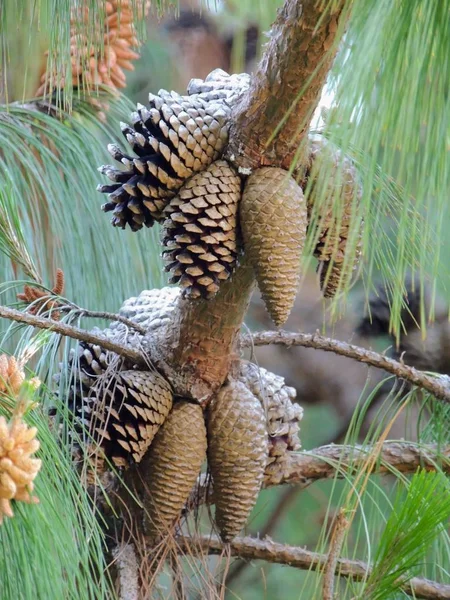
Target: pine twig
[(438, 385), (325, 462), (254, 549), (73, 332), (101, 314), (341, 525)]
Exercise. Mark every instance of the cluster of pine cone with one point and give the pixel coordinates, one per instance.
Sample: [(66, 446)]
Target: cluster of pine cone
[(210, 212), (130, 416)]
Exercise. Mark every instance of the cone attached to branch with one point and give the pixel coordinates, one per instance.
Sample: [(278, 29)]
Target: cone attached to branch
[(200, 230), (123, 414), (172, 138), (333, 201), (273, 219), (237, 455), (18, 467), (174, 461)]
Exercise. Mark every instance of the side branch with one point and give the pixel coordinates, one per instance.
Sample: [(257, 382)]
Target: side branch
[(73, 332), (438, 385), (329, 461), (252, 549), (325, 462)]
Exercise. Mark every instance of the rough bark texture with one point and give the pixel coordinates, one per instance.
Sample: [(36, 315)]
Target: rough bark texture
[(253, 549), (195, 353), (326, 462), (196, 350), (286, 86)]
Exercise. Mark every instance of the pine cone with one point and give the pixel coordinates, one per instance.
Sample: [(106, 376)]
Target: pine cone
[(11, 375), (200, 230), (237, 455), (336, 200), (283, 415), (273, 219), (174, 460), (175, 137), (18, 468), (123, 414), (87, 362)]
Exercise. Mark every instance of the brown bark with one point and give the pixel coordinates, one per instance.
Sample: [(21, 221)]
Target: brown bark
[(287, 86), (196, 351), (300, 558), (327, 462)]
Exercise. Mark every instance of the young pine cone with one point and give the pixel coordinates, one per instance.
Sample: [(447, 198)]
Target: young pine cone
[(200, 230), (237, 455), (332, 204), (11, 375), (18, 468), (174, 460), (273, 219)]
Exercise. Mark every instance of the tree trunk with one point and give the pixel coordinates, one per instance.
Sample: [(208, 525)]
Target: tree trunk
[(197, 349)]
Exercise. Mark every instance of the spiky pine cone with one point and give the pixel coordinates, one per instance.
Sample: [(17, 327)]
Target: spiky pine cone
[(273, 219), (200, 230), (237, 455), (174, 461), (283, 416), (86, 363), (124, 413), (175, 137), (11, 375), (18, 467), (332, 205)]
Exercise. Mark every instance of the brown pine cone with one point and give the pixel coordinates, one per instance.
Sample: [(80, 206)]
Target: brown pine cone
[(273, 220), (333, 205), (174, 461), (200, 230), (237, 455)]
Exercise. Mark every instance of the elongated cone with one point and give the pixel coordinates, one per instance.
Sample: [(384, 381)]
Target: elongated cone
[(273, 220), (173, 462), (237, 455), (334, 195)]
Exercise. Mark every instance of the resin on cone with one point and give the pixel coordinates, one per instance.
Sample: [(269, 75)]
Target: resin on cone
[(200, 230), (273, 218), (172, 138), (237, 455), (173, 462)]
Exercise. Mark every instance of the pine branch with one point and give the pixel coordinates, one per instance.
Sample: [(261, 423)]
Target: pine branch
[(273, 117), (73, 332), (325, 462), (438, 385), (101, 314), (253, 549)]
